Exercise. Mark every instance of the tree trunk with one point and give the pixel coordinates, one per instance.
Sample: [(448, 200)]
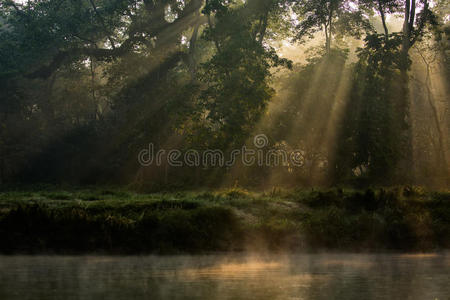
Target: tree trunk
[(383, 20), (442, 163)]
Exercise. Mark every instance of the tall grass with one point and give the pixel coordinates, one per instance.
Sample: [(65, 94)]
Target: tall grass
[(122, 221)]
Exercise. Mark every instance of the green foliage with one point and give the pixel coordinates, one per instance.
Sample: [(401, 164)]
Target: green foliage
[(165, 229), (85, 85), (374, 126), (118, 221), (39, 29), (236, 79), (333, 17)]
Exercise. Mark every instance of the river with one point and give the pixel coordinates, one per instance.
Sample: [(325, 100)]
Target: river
[(227, 276)]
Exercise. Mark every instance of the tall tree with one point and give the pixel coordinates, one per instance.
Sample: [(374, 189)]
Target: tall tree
[(383, 8), (329, 16)]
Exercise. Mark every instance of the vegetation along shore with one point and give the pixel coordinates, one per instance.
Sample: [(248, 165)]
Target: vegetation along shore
[(83, 220)]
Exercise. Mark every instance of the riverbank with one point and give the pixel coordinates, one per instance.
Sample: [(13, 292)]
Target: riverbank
[(70, 220)]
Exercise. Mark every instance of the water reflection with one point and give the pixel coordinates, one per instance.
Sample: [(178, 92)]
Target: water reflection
[(303, 276)]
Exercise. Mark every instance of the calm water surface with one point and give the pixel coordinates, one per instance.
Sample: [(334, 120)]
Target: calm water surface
[(237, 276)]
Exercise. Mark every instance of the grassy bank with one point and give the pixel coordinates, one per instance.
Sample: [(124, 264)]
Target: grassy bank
[(121, 221)]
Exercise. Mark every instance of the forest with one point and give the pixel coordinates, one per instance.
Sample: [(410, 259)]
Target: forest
[(359, 89), (174, 126), (224, 149)]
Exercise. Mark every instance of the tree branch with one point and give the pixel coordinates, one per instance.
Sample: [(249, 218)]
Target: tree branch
[(383, 19), (103, 23)]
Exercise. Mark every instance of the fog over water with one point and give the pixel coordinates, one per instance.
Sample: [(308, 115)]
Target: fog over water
[(235, 276)]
